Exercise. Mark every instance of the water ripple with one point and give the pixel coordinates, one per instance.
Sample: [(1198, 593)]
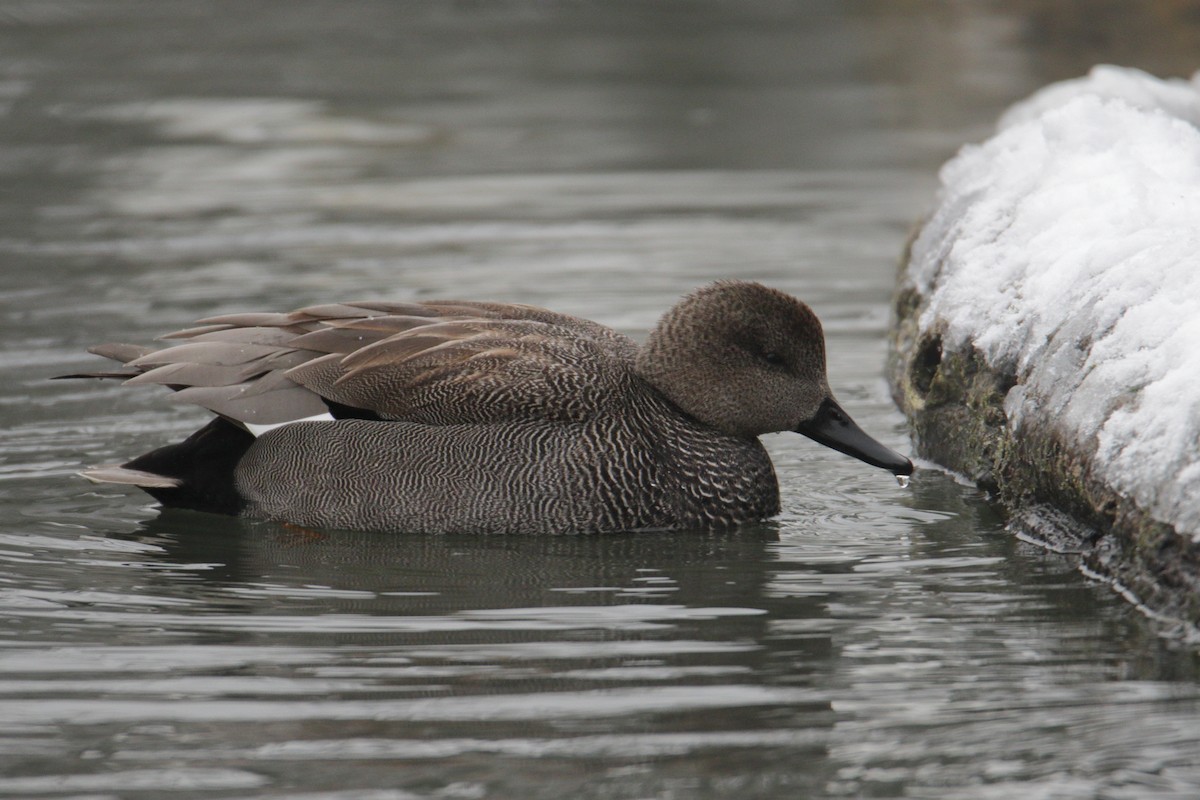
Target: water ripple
[(542, 707)]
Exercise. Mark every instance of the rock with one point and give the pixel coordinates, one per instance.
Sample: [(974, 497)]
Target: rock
[(1046, 329)]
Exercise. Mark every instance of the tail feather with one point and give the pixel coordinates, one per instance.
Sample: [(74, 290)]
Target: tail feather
[(123, 353), (196, 473), (124, 376), (115, 473)]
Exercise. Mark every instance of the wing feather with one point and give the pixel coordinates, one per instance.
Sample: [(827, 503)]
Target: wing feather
[(282, 402), (277, 337), (119, 352), (221, 354), (197, 373), (441, 362)]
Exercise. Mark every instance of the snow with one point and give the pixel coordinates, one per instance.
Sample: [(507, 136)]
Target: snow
[(1067, 248)]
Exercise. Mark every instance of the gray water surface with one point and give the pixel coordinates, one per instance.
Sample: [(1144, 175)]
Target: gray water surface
[(165, 161)]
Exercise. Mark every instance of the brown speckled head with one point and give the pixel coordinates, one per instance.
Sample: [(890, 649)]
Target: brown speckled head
[(739, 356)]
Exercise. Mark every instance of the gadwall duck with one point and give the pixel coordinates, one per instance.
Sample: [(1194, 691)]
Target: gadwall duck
[(490, 417)]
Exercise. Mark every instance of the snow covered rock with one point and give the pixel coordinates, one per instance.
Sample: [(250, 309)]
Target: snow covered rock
[(1046, 339)]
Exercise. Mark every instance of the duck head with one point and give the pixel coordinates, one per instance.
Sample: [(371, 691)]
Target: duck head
[(749, 360)]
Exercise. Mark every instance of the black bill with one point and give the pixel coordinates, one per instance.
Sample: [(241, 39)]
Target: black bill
[(833, 427)]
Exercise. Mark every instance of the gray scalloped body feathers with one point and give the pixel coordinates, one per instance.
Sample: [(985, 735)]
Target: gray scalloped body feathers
[(487, 417)]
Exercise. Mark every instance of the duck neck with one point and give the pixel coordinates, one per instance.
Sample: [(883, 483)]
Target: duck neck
[(687, 385)]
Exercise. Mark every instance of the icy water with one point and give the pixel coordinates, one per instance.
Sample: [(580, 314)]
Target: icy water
[(164, 161)]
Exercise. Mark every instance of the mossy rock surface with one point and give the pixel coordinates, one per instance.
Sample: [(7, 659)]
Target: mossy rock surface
[(954, 401)]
